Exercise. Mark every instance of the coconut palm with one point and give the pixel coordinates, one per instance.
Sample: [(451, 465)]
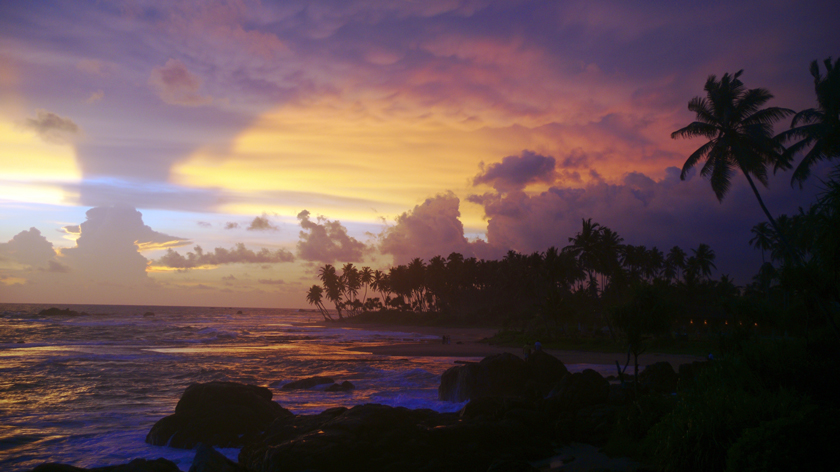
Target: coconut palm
[(675, 260), (764, 238), (816, 130), (315, 297), (739, 133), (703, 260), (333, 286)]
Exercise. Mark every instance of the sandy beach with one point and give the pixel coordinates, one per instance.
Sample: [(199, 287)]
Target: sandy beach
[(466, 342)]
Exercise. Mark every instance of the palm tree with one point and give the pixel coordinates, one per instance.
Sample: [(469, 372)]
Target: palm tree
[(673, 261), (703, 259), (314, 297), (333, 286), (739, 133), (817, 128), (764, 238)]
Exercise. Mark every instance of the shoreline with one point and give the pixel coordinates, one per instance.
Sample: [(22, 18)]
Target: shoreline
[(466, 342)]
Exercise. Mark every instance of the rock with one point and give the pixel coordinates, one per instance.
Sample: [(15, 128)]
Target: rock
[(148, 314), (378, 437), (511, 466), (500, 375), (659, 377), (345, 386), (221, 414), (307, 383), (208, 459), (578, 390), (546, 370), (137, 465)]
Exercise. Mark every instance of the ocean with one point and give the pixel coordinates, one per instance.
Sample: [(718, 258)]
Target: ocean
[(85, 390)]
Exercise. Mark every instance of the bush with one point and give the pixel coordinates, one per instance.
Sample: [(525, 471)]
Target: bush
[(727, 398), (634, 421), (801, 441)]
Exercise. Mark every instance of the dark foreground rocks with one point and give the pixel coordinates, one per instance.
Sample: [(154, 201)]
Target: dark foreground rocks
[(137, 465), (384, 438), (502, 375), (222, 414)]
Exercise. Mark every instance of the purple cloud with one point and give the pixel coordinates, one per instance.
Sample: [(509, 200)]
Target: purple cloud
[(327, 241), (515, 172)]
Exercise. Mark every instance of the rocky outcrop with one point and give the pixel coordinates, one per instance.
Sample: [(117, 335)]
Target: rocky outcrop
[(221, 414), (501, 375), (579, 390), (345, 386), (307, 383), (137, 465), (208, 459), (378, 437)]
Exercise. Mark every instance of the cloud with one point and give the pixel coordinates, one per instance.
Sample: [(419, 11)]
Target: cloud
[(261, 223), (29, 248), (239, 254), (204, 224), (272, 281), (109, 244), (52, 128), (231, 225), (327, 241), (176, 85), (516, 172), (95, 96), (57, 267), (430, 229)]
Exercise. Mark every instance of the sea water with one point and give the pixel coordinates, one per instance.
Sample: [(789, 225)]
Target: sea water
[(85, 390)]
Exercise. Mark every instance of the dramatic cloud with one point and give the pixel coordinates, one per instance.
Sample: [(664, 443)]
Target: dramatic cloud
[(430, 229), (53, 128), (176, 85), (261, 223), (29, 248), (327, 241), (236, 255), (515, 172), (109, 244)]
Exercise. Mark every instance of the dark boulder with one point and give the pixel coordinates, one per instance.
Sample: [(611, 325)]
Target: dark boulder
[(307, 383), (137, 465), (659, 377), (546, 370), (221, 414), (345, 386), (579, 390), (377, 437), (500, 375), (591, 424), (208, 459)]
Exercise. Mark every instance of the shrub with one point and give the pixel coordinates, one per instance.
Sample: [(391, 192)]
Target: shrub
[(727, 398)]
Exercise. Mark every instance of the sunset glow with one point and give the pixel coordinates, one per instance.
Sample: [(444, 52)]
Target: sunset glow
[(215, 125)]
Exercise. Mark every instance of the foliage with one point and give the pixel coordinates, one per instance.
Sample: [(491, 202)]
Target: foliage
[(725, 400)]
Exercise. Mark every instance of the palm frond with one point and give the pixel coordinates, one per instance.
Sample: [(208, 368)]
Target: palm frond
[(695, 129), (692, 160), (721, 177)]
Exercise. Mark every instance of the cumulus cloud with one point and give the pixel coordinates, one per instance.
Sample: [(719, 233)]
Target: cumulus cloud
[(56, 267), (52, 128), (109, 244), (204, 224), (516, 172), (261, 223), (327, 241), (236, 255), (231, 225), (429, 229), (176, 85), (29, 248)]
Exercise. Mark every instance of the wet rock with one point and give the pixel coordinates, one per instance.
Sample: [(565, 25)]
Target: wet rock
[(579, 390), (148, 314), (59, 312), (501, 375), (208, 459), (221, 414), (345, 386), (378, 437), (307, 383)]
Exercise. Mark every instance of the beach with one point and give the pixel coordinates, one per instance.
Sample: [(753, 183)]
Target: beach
[(471, 342)]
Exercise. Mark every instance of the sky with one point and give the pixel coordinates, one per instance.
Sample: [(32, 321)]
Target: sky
[(217, 153)]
